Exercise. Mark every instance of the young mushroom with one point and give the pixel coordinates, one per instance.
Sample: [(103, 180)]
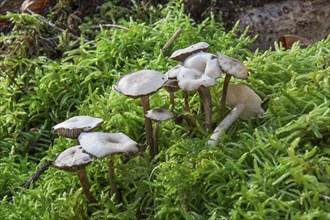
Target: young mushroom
[(72, 127), (194, 80), (141, 84), (158, 115), (100, 144), (245, 104), (75, 159), (232, 67)]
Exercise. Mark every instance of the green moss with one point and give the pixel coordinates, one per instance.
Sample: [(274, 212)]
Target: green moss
[(274, 167)]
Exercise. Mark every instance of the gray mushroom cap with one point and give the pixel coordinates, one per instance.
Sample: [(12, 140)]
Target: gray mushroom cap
[(141, 83), (74, 126), (182, 54), (102, 144), (233, 66), (159, 114), (72, 159)]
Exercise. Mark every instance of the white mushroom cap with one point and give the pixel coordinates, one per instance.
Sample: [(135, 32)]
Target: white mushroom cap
[(72, 159), (173, 73), (233, 67), (191, 79), (141, 83), (242, 94), (102, 144), (182, 54), (74, 126), (198, 61), (159, 114)]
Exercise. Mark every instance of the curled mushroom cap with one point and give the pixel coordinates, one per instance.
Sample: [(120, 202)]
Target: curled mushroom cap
[(141, 83), (73, 159), (102, 144), (182, 54), (242, 94), (206, 63), (74, 126), (232, 66), (173, 73), (159, 114), (191, 79)]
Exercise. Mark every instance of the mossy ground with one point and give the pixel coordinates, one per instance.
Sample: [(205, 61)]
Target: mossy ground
[(274, 167)]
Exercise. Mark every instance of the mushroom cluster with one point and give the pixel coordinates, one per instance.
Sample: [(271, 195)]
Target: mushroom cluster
[(91, 146), (197, 71)]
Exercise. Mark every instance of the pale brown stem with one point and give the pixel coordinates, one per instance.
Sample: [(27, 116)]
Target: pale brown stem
[(186, 101), (112, 179), (224, 94), (206, 99), (156, 132), (171, 100), (82, 175), (225, 123), (148, 126)]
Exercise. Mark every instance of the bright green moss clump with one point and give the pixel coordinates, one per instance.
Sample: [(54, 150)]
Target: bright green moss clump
[(274, 167)]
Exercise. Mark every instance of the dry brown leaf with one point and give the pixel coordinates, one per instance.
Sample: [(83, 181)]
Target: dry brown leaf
[(289, 39), (36, 6)]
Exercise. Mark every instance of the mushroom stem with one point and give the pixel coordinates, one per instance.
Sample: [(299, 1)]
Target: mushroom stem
[(156, 132), (171, 100), (82, 175), (113, 186), (186, 102), (148, 126), (225, 123), (206, 98), (224, 94)]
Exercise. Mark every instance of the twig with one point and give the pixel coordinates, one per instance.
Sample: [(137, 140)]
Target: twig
[(171, 40), (109, 25), (14, 81), (33, 178)]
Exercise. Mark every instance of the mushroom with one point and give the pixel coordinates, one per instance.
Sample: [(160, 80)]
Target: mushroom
[(158, 115), (141, 84), (100, 144), (182, 54), (194, 80), (75, 159), (232, 67), (246, 104), (72, 127)]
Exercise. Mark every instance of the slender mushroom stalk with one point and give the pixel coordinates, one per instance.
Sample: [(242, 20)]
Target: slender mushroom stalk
[(112, 179), (101, 144), (225, 123), (232, 67), (224, 93), (82, 175), (74, 159), (158, 115), (171, 86), (206, 99), (141, 84), (148, 125), (246, 104)]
